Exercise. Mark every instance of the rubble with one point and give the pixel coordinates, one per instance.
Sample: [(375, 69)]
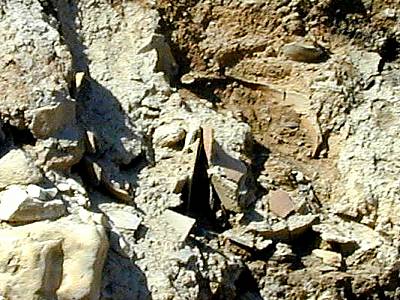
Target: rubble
[(17, 206), (269, 171)]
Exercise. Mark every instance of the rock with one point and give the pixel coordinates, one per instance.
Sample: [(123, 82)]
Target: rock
[(120, 218), (169, 135), (293, 228), (91, 142), (240, 237), (304, 53), (283, 253), (34, 72), (299, 224), (208, 143), (49, 120), (52, 260), (40, 193), (18, 168), (17, 206), (180, 225), (329, 257), (281, 204)]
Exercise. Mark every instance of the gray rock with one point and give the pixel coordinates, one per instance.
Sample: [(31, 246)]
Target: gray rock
[(304, 53)]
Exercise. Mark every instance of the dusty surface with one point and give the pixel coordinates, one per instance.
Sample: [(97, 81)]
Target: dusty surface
[(235, 149)]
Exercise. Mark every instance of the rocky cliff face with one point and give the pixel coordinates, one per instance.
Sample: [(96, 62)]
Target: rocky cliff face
[(199, 149)]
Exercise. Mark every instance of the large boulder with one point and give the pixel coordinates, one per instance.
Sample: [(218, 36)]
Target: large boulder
[(52, 260)]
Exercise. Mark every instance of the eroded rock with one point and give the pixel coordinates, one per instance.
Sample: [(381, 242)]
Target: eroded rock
[(61, 259), (17, 206), (18, 168)]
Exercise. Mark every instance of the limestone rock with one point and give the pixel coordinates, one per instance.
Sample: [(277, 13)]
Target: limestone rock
[(48, 120), (168, 135), (281, 204), (179, 224), (17, 206), (121, 216), (52, 260), (304, 53), (34, 72), (18, 168), (329, 257)]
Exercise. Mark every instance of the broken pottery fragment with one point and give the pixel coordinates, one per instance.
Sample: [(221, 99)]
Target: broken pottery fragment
[(280, 203), (208, 143)]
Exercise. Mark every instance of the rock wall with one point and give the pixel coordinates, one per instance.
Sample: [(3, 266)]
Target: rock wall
[(199, 150)]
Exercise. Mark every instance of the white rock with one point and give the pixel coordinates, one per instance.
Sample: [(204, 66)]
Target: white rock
[(123, 219), (17, 206), (35, 191), (18, 168), (52, 260)]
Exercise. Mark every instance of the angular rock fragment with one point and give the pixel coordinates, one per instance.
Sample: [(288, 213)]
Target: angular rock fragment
[(281, 204), (208, 143), (16, 167), (169, 135), (123, 219), (48, 120), (179, 224), (52, 260), (299, 224), (16, 205)]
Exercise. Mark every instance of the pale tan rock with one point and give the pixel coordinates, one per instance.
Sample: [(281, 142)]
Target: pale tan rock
[(16, 167), (169, 135), (329, 257), (48, 120), (52, 260), (17, 206), (281, 204)]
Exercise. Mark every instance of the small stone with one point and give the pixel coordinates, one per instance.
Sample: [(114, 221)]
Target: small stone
[(17, 206), (123, 219), (181, 225), (329, 257), (169, 135), (91, 145), (304, 53), (49, 120), (63, 187), (281, 204), (35, 191)]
